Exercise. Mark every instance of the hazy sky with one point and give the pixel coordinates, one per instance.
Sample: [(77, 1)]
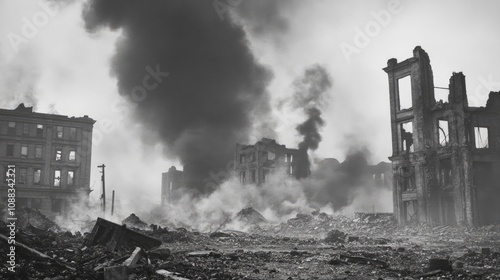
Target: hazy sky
[(60, 68)]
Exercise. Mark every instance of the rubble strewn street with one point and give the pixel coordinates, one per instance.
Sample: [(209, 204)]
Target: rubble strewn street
[(309, 246)]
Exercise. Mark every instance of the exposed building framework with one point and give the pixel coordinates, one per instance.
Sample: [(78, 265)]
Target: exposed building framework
[(254, 163), (52, 157), (446, 154)]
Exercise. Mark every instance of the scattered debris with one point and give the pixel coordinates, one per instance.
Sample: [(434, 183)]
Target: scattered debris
[(405, 254)]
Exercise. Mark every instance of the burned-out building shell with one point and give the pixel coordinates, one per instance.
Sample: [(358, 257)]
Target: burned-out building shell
[(446, 154), (254, 163)]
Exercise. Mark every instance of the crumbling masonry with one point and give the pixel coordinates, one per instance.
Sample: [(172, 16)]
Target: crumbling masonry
[(446, 155)]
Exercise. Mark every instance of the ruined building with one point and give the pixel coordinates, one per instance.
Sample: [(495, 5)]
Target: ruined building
[(254, 163), (446, 154), (171, 184), (51, 154)]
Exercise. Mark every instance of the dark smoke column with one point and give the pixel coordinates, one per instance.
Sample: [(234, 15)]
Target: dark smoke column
[(310, 94), (214, 86)]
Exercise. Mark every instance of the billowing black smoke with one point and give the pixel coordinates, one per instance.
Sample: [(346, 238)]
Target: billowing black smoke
[(214, 86), (338, 184), (310, 93)]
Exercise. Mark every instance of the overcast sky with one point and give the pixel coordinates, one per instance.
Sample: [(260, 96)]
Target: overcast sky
[(61, 68)]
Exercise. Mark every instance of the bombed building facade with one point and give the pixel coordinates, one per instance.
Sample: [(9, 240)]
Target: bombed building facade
[(52, 158), (171, 184), (254, 163), (446, 154)]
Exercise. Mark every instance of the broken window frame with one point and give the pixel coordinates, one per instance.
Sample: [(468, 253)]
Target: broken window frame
[(445, 172), (443, 132), (72, 155), (60, 132), (26, 129), (59, 154), (38, 151), (24, 151), (242, 158), (254, 175), (402, 102), (9, 152), (265, 155), (413, 217), (271, 155), (57, 178), (481, 141), (11, 128), (35, 177), (70, 181), (22, 175), (39, 130), (407, 179), (404, 136)]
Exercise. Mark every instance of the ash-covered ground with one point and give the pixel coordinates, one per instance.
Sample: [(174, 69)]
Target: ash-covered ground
[(309, 246)]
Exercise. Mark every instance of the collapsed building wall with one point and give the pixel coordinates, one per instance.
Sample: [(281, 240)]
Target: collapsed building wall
[(445, 154)]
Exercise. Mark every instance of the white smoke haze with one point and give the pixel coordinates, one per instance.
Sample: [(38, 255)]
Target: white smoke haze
[(278, 199)]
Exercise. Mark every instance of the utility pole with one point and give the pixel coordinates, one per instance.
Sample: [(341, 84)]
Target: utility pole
[(112, 202), (103, 179)]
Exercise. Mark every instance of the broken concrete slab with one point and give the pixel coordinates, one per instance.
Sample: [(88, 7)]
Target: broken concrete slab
[(115, 236)]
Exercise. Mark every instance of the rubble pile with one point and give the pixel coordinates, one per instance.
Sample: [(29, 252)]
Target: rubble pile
[(32, 217), (319, 224), (134, 222), (250, 216), (336, 251)]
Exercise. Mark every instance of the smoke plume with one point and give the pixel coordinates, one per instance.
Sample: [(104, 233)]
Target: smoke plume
[(351, 183), (210, 87), (309, 94)]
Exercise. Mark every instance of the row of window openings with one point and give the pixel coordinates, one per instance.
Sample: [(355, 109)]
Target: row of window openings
[(39, 130), (37, 177), (264, 177), (38, 152), (405, 95), (408, 176), (266, 156), (480, 136)]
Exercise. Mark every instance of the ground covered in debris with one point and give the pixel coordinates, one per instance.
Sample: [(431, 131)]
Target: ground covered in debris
[(309, 246)]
